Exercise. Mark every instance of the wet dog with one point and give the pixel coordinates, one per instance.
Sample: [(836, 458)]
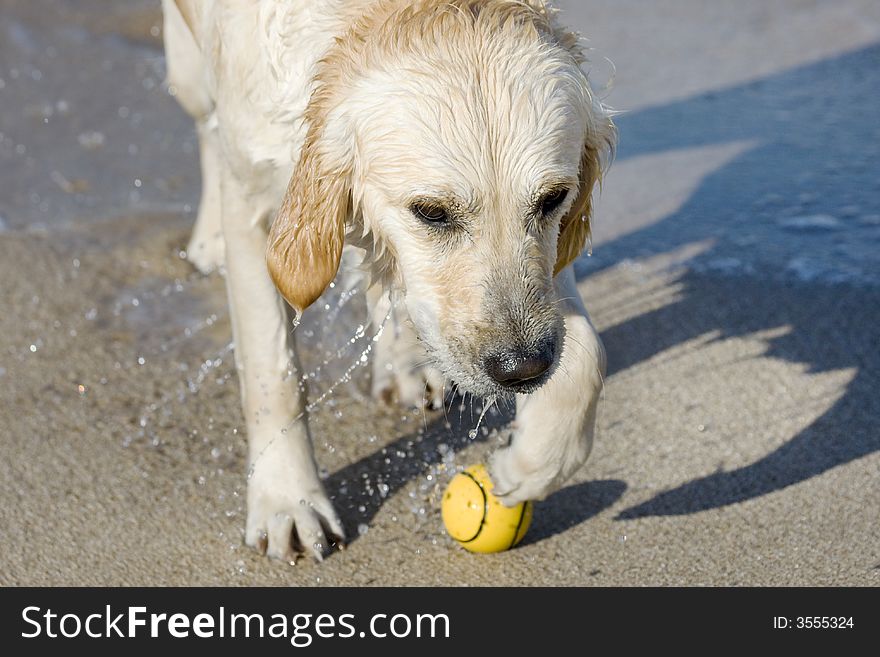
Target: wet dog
[(457, 144)]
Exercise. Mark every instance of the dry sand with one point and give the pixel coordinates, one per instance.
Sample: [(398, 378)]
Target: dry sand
[(734, 281)]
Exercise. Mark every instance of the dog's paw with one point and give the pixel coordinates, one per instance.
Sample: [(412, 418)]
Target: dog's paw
[(409, 386), (517, 478), (400, 374), (289, 515), (206, 252)]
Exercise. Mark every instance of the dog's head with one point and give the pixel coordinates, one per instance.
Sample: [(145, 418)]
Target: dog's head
[(464, 137)]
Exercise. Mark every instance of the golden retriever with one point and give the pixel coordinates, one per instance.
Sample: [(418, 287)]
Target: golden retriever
[(456, 143)]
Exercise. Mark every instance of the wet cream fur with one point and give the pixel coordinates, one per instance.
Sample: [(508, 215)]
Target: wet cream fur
[(320, 124)]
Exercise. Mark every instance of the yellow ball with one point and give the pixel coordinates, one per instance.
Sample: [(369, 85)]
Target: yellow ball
[(476, 519)]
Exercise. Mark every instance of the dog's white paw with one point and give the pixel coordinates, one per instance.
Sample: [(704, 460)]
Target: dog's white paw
[(288, 511), (401, 374), (518, 477), (414, 386), (206, 252)]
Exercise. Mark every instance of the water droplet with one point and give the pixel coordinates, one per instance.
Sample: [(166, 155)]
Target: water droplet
[(363, 528), (472, 434), (91, 140), (215, 452)]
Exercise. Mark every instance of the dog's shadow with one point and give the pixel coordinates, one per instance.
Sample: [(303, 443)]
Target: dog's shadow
[(359, 489)]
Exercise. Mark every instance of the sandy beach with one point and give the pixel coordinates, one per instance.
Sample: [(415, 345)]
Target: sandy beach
[(735, 279)]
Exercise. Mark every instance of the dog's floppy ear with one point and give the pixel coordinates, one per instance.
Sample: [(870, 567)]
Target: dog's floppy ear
[(575, 228), (306, 239), (600, 142)]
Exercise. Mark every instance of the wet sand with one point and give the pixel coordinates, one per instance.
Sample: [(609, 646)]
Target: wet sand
[(737, 440)]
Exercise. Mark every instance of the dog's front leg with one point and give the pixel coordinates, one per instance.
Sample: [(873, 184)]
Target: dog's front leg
[(285, 498), (554, 425)]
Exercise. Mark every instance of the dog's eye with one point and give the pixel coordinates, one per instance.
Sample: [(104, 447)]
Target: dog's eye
[(431, 214), (553, 200)]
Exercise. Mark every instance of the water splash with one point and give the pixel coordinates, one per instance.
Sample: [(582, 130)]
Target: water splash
[(361, 361)]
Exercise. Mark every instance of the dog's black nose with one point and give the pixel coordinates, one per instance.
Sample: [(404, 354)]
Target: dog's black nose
[(520, 368)]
